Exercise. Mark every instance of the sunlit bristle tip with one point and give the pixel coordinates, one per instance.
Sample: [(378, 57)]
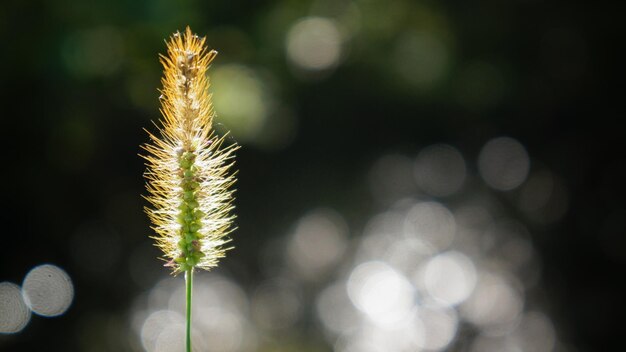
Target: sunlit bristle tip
[(189, 168)]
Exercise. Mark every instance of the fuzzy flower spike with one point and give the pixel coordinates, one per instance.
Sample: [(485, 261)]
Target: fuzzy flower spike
[(188, 172)]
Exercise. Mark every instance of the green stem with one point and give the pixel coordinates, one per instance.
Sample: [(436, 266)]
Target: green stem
[(189, 279)]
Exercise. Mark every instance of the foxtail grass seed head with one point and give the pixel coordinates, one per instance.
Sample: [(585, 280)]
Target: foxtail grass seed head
[(188, 167)]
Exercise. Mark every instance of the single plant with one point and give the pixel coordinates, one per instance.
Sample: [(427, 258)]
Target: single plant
[(188, 171)]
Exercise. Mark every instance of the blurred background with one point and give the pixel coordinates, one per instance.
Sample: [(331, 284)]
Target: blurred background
[(414, 176)]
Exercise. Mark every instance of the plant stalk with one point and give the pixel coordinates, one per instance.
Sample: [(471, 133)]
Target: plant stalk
[(189, 280)]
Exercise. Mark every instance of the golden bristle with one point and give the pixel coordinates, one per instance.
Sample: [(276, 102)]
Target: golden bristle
[(188, 172)]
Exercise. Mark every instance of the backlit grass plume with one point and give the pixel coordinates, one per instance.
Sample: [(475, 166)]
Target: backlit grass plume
[(188, 167)]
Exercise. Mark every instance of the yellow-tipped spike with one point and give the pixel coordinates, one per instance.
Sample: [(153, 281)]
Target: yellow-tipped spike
[(188, 171)]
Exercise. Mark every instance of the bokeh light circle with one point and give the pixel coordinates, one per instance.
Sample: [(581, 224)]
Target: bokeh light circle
[(440, 170), (450, 277), (334, 309), (14, 313), (380, 292), (422, 58), (503, 163), (431, 222), (494, 303), (314, 43), (242, 99), (535, 332), (440, 326), (317, 244), (48, 290), (156, 324)]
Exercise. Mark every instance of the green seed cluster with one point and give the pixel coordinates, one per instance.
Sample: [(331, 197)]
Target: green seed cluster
[(190, 217)]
